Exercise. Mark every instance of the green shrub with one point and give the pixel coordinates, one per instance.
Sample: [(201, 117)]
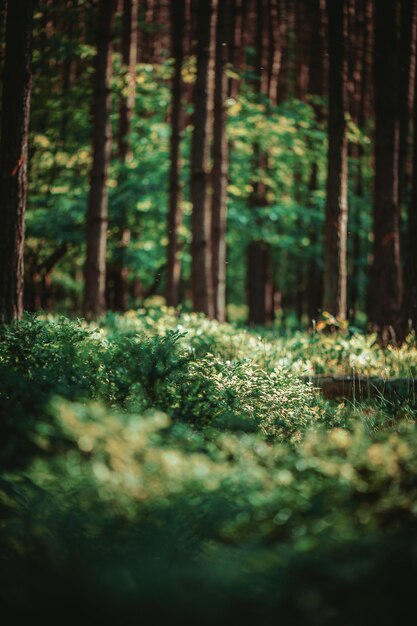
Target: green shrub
[(168, 467), (140, 509)]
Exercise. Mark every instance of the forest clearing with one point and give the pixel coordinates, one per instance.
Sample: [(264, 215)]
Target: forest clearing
[(208, 311)]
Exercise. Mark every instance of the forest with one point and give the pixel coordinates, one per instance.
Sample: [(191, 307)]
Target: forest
[(208, 310)]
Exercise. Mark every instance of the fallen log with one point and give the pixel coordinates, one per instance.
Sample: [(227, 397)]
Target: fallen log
[(363, 387)]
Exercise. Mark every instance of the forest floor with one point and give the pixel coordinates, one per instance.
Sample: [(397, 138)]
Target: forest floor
[(178, 467)]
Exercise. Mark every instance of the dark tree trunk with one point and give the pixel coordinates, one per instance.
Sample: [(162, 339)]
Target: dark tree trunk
[(411, 261), (220, 166), (3, 15), (260, 284), (316, 74), (387, 278), (335, 229), (317, 53), (17, 83), (127, 103), (260, 270), (405, 91), (361, 71), (200, 151), (177, 122), (97, 213), (237, 10)]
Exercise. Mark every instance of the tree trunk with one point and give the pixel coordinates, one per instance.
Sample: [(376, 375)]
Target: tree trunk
[(97, 212), (405, 90), (200, 150), (127, 105), (315, 87), (260, 270), (411, 261), (335, 229), (260, 284), (236, 45), (220, 166), (387, 278), (177, 122), (17, 83), (3, 16)]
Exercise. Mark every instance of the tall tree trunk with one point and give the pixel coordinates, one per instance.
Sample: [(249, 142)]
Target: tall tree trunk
[(387, 276), (177, 122), (260, 270), (97, 212), (3, 16), (335, 230), (200, 151), (411, 259), (220, 166), (237, 10), (407, 39), (17, 84), (316, 84), (127, 105)]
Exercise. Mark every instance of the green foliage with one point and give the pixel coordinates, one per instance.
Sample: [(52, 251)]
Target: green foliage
[(292, 135), (138, 508), (348, 351), (157, 454)]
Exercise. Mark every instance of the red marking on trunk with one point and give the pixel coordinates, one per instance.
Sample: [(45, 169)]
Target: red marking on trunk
[(18, 165), (387, 239)]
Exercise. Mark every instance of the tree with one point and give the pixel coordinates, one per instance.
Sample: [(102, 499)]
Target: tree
[(335, 230), (127, 103), (202, 288), (410, 294), (387, 273), (177, 115), (97, 212), (260, 287), (316, 87), (407, 41), (17, 84), (360, 81), (220, 166)]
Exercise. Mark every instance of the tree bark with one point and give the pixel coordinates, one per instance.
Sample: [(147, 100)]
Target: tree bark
[(17, 84), (315, 87), (335, 229), (387, 275), (3, 16), (220, 166), (126, 110), (259, 262), (97, 212), (260, 284), (411, 259), (407, 42), (200, 150), (237, 10), (177, 122)]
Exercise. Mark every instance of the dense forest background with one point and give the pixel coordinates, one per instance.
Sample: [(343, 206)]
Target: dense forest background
[(250, 159), (203, 206)]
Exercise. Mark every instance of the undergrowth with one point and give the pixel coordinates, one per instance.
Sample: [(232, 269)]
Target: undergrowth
[(156, 467)]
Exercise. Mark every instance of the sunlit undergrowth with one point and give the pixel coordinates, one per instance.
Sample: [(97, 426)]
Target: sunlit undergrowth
[(303, 353), (156, 465)]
